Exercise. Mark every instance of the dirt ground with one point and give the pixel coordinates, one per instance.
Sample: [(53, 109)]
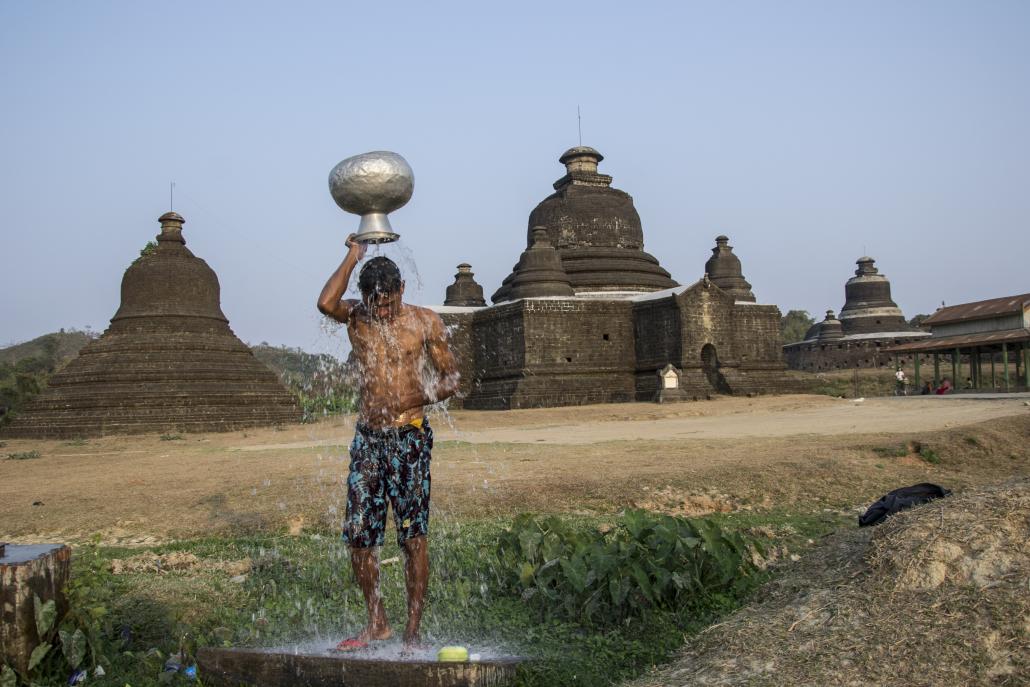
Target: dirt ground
[(797, 452), (936, 595)]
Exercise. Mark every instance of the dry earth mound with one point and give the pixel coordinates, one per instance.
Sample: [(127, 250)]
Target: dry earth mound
[(939, 595)]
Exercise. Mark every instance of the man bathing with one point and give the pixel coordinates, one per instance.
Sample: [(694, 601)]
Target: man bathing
[(404, 364)]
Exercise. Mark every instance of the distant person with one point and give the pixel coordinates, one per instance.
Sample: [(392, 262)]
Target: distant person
[(404, 364), (945, 387), (927, 389), (969, 382), (900, 383)]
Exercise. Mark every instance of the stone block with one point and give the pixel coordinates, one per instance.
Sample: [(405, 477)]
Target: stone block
[(270, 668), (27, 572)]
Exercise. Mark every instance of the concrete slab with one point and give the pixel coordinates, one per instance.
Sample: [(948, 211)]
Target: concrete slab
[(279, 668)]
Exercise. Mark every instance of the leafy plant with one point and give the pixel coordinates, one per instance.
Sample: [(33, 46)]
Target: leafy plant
[(24, 455), (646, 562), (171, 437), (929, 455)]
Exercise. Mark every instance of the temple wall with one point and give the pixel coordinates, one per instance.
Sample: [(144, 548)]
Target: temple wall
[(706, 317), (580, 352), (756, 331), (820, 356)]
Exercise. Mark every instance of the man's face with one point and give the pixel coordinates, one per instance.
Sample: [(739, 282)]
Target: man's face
[(383, 306)]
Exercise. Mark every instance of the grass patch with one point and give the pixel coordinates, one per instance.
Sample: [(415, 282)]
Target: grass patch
[(24, 455), (171, 437), (929, 455), (301, 588), (76, 442), (890, 451)]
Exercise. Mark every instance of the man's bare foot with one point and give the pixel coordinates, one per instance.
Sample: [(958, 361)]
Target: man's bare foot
[(365, 637)]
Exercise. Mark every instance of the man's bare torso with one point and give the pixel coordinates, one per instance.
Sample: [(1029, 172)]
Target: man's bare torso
[(392, 364)]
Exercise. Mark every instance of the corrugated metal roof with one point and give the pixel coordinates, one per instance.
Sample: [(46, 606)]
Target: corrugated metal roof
[(979, 310), (950, 343)]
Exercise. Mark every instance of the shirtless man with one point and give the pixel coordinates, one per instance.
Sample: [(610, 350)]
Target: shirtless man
[(404, 364)]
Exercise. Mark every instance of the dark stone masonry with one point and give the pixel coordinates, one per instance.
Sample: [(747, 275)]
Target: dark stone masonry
[(168, 361), (586, 316), (869, 321)]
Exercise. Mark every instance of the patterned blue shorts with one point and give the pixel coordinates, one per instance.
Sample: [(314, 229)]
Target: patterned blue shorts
[(388, 465)]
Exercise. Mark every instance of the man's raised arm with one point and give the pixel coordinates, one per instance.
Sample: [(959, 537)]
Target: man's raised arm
[(330, 300), (443, 360)]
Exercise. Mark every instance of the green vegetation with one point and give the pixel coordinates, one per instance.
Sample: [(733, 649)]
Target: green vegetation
[(590, 600), (646, 562), (146, 250), (929, 455), (323, 385), (25, 368), (171, 437), (23, 455), (794, 325)]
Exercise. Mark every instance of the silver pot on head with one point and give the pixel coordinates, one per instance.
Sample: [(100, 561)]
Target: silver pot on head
[(372, 185)]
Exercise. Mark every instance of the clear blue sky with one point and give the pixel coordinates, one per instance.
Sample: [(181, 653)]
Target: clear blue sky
[(809, 132)]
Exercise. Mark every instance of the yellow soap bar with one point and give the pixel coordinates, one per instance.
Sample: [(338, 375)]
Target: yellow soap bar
[(453, 654)]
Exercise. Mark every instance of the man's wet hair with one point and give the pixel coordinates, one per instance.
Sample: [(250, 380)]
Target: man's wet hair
[(380, 275)]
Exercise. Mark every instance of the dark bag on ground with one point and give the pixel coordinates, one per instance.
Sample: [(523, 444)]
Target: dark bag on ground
[(899, 500)]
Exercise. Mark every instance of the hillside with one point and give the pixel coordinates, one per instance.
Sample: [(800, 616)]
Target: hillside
[(318, 379), (62, 346)]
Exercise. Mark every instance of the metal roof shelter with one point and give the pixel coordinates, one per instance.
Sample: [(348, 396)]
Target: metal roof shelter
[(978, 330)]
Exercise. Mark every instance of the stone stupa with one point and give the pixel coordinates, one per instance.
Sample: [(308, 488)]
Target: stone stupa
[(596, 231), (167, 363)]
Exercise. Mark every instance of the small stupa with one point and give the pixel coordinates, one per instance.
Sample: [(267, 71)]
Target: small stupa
[(724, 269), (465, 292), (168, 362)]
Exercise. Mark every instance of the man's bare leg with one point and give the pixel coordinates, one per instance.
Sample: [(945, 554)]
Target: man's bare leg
[(416, 579), (366, 568)]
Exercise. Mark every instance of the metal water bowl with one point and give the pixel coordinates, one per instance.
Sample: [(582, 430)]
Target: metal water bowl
[(373, 185)]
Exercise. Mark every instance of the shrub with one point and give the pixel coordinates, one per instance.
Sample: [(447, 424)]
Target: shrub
[(23, 455), (645, 562)]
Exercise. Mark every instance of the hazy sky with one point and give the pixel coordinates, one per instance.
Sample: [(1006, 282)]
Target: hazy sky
[(809, 132)]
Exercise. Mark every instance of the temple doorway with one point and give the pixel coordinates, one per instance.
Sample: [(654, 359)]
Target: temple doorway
[(710, 366)]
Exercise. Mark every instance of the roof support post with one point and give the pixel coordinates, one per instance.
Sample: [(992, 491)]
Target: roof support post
[(936, 369), (1005, 362), (976, 371), (994, 376), (918, 384), (954, 369), (1026, 365)]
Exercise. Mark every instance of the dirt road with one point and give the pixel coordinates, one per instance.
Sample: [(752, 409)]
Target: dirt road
[(733, 453)]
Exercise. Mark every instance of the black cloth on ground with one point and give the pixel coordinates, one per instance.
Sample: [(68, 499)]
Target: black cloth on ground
[(899, 500)]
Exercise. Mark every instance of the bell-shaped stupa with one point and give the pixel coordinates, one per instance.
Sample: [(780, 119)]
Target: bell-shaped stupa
[(596, 232), (465, 291), (827, 330), (867, 302), (168, 361), (539, 273), (724, 269)]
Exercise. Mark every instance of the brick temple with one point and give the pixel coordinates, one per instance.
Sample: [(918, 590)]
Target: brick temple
[(168, 362), (869, 322), (587, 316)]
